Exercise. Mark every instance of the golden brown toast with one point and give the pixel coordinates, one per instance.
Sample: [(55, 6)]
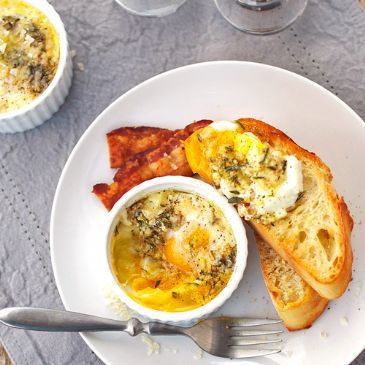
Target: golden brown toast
[(297, 304), (315, 236)]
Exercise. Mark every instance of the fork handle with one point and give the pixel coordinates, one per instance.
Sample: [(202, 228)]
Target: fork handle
[(39, 319)]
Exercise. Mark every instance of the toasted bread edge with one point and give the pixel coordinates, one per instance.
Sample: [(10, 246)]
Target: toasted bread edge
[(330, 289)]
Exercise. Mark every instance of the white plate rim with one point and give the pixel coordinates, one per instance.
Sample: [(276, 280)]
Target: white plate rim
[(136, 89)]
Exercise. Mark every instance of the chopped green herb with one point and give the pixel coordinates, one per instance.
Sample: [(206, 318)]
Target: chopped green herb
[(265, 155), (235, 200), (283, 165), (234, 192), (234, 168), (234, 179), (174, 295), (300, 195), (229, 148), (158, 282), (200, 139), (258, 177)]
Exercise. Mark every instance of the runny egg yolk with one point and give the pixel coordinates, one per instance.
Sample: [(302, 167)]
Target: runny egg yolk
[(263, 181), (178, 251)]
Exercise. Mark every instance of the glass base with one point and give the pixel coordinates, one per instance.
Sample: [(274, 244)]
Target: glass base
[(261, 16), (150, 8)]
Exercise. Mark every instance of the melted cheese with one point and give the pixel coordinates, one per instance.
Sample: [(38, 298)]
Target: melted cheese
[(29, 54)]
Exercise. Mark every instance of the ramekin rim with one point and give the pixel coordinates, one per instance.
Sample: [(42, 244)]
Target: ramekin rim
[(201, 188)]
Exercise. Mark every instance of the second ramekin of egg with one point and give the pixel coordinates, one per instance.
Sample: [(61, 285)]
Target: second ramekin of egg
[(175, 249), (35, 64)]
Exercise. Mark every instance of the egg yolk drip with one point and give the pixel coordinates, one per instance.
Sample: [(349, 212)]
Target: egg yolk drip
[(262, 181), (173, 251)]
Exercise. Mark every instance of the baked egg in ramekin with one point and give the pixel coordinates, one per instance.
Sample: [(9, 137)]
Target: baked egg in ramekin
[(175, 248), (35, 64)]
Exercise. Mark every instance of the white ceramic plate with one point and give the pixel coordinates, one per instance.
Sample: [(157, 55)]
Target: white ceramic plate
[(311, 115)]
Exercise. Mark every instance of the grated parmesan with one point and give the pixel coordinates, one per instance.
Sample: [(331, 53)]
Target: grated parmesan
[(153, 347), (116, 305)]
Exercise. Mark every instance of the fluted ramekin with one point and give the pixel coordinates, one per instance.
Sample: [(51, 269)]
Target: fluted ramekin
[(46, 104), (185, 184)]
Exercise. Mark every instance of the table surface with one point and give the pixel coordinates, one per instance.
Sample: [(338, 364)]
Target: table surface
[(114, 52)]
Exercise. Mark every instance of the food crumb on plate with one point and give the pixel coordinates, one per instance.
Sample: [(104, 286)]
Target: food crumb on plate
[(324, 334), (153, 347), (121, 309), (73, 53), (344, 321), (198, 355), (116, 305)]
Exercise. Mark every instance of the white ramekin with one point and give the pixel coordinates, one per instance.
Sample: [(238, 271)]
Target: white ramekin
[(185, 184), (46, 104)]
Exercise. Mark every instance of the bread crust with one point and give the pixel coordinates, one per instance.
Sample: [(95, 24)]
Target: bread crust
[(300, 313), (331, 287)]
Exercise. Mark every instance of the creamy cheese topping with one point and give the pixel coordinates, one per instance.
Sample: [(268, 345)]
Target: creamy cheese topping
[(29, 54)]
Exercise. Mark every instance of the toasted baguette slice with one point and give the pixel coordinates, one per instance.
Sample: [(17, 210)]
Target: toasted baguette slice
[(314, 238), (297, 304)]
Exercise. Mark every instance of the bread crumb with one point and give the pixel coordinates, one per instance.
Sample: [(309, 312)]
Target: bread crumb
[(198, 355), (73, 53), (324, 334), (344, 321), (81, 66), (153, 347)]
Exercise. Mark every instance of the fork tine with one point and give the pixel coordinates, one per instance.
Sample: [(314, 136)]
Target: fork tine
[(246, 342), (236, 332), (249, 322), (242, 353)]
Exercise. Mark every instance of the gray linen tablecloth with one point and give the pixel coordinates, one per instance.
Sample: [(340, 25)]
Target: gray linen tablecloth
[(118, 51)]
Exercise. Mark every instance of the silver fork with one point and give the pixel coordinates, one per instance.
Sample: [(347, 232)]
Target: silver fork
[(235, 338)]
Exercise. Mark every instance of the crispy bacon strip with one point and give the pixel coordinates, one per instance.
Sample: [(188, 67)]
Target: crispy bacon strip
[(167, 159), (127, 141)]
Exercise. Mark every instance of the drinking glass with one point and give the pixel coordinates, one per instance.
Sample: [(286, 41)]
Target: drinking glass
[(155, 8), (261, 16)]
